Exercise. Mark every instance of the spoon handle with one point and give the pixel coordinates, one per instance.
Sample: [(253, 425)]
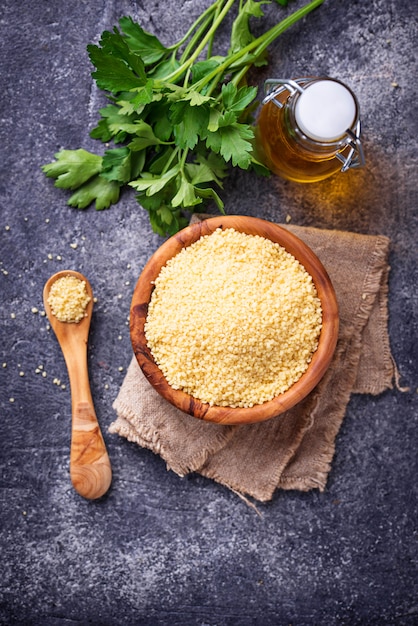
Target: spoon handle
[(90, 468)]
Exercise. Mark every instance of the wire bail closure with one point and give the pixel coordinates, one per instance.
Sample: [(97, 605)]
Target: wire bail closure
[(273, 87)]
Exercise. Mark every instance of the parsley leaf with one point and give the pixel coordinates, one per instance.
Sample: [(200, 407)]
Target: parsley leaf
[(144, 44), (117, 68), (73, 168), (241, 34), (188, 123), (154, 183), (178, 117), (117, 165), (231, 141), (103, 192), (237, 100)]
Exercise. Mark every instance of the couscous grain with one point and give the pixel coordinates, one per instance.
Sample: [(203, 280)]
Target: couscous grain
[(68, 299), (233, 320)]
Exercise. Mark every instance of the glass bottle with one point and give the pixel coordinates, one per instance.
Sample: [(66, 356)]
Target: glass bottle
[(309, 128)]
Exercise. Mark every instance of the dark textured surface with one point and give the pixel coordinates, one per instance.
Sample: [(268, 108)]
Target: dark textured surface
[(159, 549)]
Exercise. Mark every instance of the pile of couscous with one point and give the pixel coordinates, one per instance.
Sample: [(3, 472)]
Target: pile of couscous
[(68, 299), (233, 320)]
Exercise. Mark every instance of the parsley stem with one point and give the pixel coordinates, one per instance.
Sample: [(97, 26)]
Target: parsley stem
[(207, 12), (183, 158), (174, 76), (195, 39), (258, 45), (210, 44), (216, 8), (173, 156)]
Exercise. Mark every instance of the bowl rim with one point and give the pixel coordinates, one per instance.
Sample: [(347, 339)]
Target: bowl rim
[(321, 359)]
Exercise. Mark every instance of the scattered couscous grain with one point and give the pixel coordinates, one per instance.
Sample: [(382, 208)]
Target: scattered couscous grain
[(233, 320), (68, 299)]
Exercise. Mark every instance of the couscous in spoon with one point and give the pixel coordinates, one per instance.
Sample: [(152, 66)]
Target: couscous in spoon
[(90, 468)]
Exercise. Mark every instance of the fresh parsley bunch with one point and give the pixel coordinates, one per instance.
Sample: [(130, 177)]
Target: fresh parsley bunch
[(178, 115)]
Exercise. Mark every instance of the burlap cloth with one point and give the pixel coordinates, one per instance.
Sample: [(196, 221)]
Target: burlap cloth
[(293, 450)]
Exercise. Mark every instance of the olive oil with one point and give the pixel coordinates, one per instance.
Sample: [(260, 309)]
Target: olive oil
[(309, 129)]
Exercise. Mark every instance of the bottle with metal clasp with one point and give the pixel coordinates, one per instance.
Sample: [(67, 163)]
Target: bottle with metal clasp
[(309, 128)]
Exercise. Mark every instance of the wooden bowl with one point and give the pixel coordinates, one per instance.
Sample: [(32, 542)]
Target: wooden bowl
[(320, 360)]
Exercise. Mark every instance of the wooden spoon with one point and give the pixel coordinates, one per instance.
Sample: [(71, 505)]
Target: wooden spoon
[(90, 468)]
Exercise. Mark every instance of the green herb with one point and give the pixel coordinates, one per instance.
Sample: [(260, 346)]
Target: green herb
[(179, 116)]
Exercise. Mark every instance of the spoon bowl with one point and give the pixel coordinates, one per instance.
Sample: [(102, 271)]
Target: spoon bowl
[(90, 468)]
